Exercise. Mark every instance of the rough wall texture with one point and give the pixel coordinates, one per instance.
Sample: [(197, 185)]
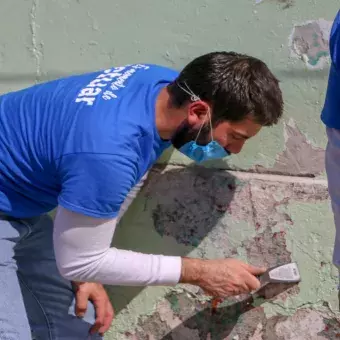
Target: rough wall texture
[(271, 208)]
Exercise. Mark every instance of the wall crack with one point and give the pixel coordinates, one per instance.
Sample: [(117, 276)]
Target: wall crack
[(36, 47)]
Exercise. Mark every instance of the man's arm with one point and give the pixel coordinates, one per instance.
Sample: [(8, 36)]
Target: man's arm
[(96, 191), (83, 253), (94, 188)]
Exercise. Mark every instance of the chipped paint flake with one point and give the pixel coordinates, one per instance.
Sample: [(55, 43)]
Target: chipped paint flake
[(309, 42)]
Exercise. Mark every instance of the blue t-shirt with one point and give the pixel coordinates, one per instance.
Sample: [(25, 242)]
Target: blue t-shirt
[(82, 141), (331, 110)]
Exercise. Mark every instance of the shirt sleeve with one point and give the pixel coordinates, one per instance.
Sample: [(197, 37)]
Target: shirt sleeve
[(83, 253), (334, 43), (96, 184)]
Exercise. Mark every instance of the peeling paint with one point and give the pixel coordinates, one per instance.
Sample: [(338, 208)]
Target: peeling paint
[(309, 244), (309, 42), (265, 223), (268, 249), (331, 330), (299, 157)]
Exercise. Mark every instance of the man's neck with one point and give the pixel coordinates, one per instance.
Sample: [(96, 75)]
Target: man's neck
[(167, 118)]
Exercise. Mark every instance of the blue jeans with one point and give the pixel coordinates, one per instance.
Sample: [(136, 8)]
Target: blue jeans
[(35, 301)]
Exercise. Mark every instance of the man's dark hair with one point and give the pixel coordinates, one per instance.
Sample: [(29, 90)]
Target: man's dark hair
[(235, 85)]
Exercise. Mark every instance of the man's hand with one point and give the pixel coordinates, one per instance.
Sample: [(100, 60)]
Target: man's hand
[(96, 293), (221, 278)]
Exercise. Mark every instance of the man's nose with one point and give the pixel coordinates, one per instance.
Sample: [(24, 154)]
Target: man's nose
[(236, 147)]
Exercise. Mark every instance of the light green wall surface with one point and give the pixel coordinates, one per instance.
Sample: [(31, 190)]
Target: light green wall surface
[(50, 39)]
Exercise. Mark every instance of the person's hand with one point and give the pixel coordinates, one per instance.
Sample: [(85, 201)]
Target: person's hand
[(221, 278), (96, 293)]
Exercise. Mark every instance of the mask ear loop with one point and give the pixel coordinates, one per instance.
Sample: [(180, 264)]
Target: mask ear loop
[(210, 123), (195, 98)]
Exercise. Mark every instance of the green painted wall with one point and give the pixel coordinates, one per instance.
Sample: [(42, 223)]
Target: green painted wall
[(272, 211), (48, 39)]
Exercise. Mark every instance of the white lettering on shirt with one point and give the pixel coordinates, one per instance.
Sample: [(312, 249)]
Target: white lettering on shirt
[(115, 77)]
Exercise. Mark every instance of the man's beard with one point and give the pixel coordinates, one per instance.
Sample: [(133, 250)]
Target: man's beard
[(186, 134)]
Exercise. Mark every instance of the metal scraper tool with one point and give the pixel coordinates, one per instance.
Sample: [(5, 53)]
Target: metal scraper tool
[(286, 273)]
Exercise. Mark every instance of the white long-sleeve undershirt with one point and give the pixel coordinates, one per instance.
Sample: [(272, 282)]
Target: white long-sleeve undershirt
[(83, 252)]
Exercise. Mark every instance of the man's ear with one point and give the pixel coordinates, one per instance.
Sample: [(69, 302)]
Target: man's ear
[(198, 113)]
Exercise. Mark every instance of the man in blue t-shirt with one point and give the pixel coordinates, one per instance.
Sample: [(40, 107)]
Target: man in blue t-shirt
[(84, 145), (331, 118)]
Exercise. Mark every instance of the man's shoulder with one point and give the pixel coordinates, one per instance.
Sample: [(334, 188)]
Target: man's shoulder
[(111, 84), (116, 109)]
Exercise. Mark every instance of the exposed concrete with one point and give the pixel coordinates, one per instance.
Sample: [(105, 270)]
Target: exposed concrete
[(300, 157), (310, 42)]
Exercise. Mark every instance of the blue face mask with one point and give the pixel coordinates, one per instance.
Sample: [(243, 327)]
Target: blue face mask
[(201, 153)]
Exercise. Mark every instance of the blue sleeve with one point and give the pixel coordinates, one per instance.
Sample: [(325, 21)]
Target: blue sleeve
[(334, 42), (95, 184)]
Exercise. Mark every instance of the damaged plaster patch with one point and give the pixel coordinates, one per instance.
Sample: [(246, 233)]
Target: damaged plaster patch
[(268, 249), (255, 218), (303, 325), (300, 157), (181, 317), (309, 42), (221, 216), (270, 199), (232, 324), (165, 323), (190, 320)]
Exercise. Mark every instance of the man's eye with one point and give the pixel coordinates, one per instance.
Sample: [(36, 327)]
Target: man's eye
[(237, 137)]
